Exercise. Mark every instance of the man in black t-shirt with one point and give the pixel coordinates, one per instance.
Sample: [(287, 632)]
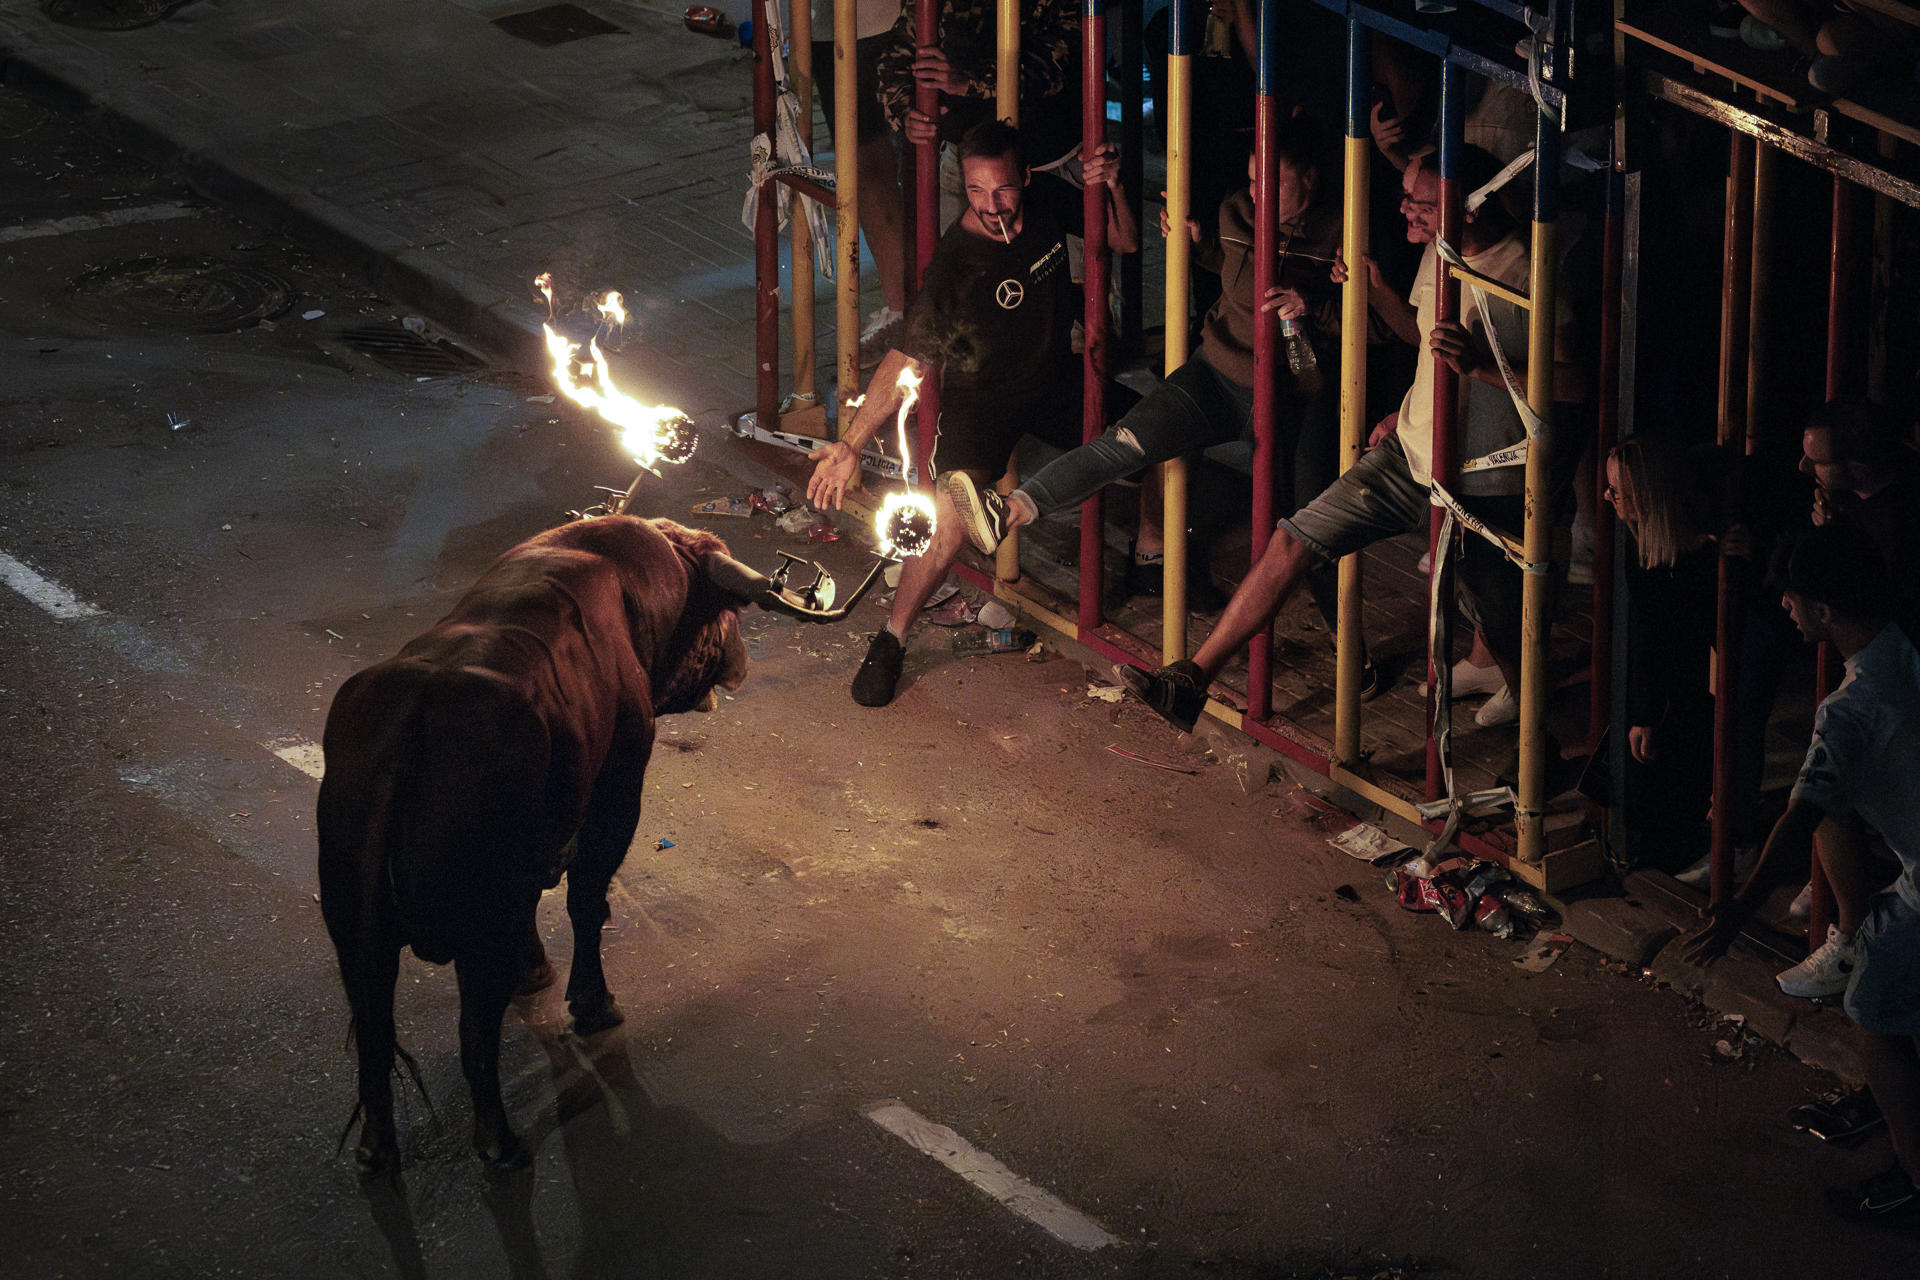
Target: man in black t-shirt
[(993, 321)]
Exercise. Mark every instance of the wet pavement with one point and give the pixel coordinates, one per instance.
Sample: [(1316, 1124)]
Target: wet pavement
[(1154, 993)]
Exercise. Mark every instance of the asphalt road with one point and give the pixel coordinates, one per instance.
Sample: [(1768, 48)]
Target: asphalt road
[(1155, 995)]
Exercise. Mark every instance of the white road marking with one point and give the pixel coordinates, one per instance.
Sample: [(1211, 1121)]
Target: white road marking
[(1058, 1219), (95, 221), (301, 754), (51, 596)]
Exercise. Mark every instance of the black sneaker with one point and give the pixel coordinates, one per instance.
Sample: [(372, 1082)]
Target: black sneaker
[(874, 683), (983, 512), (1887, 1192), (1840, 1116), (1178, 692)]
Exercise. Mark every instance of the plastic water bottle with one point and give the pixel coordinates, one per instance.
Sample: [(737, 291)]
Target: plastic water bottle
[(1299, 344), (994, 640)]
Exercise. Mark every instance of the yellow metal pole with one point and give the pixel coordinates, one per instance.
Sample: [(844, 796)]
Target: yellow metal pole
[(1006, 62), (799, 233), (1173, 474), (846, 202), (1353, 381), (1006, 91), (1536, 619)]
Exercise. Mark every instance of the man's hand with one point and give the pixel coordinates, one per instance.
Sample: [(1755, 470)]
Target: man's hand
[(1642, 741), (1388, 131), (1103, 166), (1286, 300), (1338, 271), (919, 127), (1452, 343), (1383, 428), (1166, 226), (836, 469), (1826, 506), (1711, 940), (930, 67)]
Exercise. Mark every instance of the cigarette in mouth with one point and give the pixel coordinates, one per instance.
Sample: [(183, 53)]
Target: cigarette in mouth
[(1000, 225)]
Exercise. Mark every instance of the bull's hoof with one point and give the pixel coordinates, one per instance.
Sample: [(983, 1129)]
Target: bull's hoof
[(377, 1156), (592, 1019), (534, 980), (501, 1151)]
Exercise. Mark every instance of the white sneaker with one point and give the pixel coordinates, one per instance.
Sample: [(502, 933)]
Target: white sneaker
[(1801, 908), (878, 321), (1745, 858), (1501, 708), (1824, 973), (1468, 680)]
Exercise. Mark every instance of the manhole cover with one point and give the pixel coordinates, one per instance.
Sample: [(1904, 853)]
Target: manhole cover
[(188, 295), (110, 15), (555, 24), (404, 351)]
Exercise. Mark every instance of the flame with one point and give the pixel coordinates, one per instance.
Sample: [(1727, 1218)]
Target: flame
[(649, 433), (906, 520), (613, 310), (544, 283)]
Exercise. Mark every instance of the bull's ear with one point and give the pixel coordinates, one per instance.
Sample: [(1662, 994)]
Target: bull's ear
[(745, 584)]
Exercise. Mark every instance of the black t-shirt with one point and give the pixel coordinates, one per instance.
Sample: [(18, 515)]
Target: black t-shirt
[(999, 317)]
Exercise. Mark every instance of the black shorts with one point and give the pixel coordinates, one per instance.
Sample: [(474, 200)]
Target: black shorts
[(978, 431), (869, 116)]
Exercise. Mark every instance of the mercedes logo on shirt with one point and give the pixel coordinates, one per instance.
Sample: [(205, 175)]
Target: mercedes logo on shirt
[(1009, 294)]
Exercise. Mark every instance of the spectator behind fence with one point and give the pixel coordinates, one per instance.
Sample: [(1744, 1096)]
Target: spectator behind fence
[(1209, 400), (1660, 496), (962, 66), (1860, 771), (993, 321), (1389, 491), (876, 162), (1868, 477)]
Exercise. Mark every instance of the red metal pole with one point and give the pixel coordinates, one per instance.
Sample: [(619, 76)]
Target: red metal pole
[(1600, 666), (766, 249), (1736, 280), (1446, 383), (1266, 334), (926, 175), (1099, 267)]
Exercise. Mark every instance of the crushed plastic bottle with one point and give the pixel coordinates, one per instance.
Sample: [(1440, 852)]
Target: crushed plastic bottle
[(993, 640)]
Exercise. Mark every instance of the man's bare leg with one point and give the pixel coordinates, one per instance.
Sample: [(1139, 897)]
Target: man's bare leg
[(921, 575), (1274, 578), (1893, 1074), (881, 219)]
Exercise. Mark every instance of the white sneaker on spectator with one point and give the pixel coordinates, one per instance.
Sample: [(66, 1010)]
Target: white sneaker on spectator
[(1801, 908), (1745, 858), (1468, 680), (1501, 708), (1824, 973)]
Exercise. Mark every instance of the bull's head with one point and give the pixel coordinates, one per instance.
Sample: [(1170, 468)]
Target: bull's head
[(813, 602)]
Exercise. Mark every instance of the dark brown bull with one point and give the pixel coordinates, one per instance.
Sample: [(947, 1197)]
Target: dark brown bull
[(501, 748)]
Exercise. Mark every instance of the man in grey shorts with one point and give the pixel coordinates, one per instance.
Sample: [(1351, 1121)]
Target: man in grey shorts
[(1862, 771), (1388, 491)]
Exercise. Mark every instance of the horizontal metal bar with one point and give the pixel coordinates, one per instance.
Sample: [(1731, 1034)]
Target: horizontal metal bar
[(1493, 287), (807, 187), (1798, 145), (1441, 45)]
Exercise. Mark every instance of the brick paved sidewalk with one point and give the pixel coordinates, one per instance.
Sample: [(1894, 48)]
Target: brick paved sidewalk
[(452, 161)]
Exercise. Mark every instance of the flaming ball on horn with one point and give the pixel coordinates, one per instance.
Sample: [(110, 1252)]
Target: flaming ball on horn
[(906, 521), (649, 433)]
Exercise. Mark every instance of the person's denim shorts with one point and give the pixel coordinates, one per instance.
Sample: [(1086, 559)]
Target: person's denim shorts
[(1377, 497), (1884, 995)]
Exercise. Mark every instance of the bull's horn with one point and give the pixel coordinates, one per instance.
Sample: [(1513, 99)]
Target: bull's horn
[(750, 586)]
